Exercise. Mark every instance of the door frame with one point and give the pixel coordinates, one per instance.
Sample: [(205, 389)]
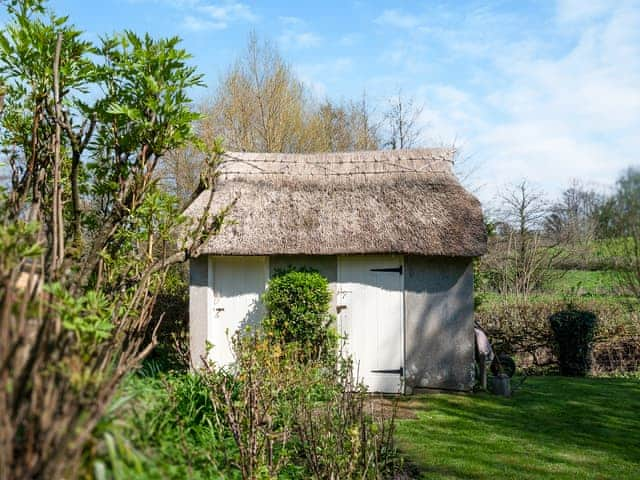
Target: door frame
[(403, 353)]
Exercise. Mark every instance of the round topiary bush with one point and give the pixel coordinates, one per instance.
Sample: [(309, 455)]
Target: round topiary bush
[(573, 331), (297, 303)]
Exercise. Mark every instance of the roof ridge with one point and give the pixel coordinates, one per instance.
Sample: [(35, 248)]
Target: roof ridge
[(435, 154), (431, 162)]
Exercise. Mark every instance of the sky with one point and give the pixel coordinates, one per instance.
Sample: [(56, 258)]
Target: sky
[(544, 90)]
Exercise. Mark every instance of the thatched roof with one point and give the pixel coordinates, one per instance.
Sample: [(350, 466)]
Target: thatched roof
[(399, 201)]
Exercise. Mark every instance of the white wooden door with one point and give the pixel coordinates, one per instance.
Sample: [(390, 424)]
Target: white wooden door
[(236, 284), (370, 302)]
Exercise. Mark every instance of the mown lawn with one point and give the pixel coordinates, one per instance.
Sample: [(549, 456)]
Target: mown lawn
[(552, 427)]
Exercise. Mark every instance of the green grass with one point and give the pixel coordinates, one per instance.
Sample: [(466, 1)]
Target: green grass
[(585, 282), (552, 427), (161, 427)]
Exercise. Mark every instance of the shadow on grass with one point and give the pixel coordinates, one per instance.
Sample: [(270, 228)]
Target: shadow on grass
[(552, 428)]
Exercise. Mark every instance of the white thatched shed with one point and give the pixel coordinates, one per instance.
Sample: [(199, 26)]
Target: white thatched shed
[(393, 231)]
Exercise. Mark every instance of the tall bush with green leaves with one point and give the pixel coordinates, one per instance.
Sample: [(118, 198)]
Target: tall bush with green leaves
[(297, 303), (86, 235)]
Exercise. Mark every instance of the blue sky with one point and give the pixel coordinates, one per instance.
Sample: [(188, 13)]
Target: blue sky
[(543, 90)]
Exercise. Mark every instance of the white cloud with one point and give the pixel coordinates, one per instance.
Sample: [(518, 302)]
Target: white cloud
[(296, 35), (294, 40), (573, 11), (567, 116), (549, 103), (330, 72), (405, 54), (228, 11), (397, 19), (350, 39), (291, 20), (203, 15), (198, 24)]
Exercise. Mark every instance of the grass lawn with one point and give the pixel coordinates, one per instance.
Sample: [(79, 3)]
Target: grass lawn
[(552, 427)]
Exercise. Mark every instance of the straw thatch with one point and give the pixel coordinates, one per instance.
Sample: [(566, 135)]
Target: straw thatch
[(344, 203)]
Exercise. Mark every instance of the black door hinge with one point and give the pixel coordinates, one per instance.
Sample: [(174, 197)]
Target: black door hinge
[(394, 269), (398, 371)]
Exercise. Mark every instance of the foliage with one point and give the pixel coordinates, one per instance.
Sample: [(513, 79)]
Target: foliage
[(161, 427), (554, 428), (583, 437), (299, 419), (588, 283), (86, 235), (346, 434), (574, 332), (248, 400), (171, 309), (520, 264), (521, 328), (87, 317), (261, 106), (574, 219), (621, 219), (297, 303)]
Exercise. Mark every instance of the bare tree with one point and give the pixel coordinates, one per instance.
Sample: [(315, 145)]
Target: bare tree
[(327, 129), (623, 226), (364, 131), (179, 172), (523, 208), (402, 122), (259, 104), (333, 127), (520, 257), (574, 218)]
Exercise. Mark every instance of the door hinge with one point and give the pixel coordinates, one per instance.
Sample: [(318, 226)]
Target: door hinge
[(394, 269), (399, 371)]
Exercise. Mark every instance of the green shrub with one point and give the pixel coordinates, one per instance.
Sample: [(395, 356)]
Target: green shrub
[(574, 333), (271, 416), (348, 433), (297, 303), (295, 419), (522, 329)]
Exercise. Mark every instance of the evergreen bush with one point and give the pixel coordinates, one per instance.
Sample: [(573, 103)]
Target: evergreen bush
[(297, 303), (574, 332)]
